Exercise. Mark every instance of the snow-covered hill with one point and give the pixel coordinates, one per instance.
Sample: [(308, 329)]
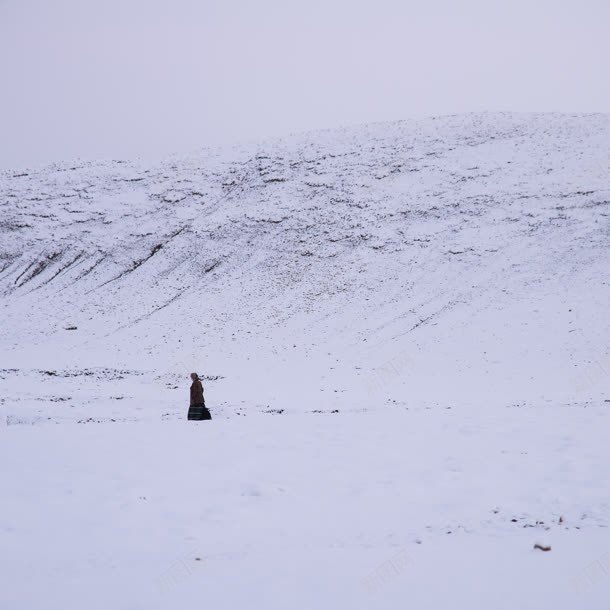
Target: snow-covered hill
[(452, 260), (404, 334)]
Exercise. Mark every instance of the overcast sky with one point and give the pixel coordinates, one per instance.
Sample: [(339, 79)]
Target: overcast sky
[(128, 78)]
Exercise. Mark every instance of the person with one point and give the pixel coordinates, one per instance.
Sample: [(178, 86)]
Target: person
[(197, 408)]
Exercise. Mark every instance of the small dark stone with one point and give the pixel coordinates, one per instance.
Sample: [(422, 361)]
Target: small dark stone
[(542, 547)]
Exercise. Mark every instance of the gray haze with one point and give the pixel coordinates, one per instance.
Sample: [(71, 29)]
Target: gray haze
[(144, 78)]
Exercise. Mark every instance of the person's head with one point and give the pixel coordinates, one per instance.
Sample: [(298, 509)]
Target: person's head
[(194, 376)]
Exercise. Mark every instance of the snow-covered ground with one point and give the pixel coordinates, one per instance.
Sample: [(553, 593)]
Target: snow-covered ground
[(423, 509), (404, 334)]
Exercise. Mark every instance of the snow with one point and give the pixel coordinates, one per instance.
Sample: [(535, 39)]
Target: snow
[(329, 510), (404, 337)]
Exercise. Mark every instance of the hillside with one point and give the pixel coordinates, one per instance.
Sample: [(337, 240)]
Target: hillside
[(461, 259), (404, 337)]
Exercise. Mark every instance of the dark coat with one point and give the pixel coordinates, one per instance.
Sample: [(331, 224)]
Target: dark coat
[(197, 393), (197, 409)]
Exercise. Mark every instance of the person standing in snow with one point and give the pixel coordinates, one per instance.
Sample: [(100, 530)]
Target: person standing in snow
[(197, 409)]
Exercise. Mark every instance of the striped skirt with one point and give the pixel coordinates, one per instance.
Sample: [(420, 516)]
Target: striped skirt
[(199, 412)]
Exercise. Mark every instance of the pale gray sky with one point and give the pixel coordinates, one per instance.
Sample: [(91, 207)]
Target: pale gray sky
[(127, 78)]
